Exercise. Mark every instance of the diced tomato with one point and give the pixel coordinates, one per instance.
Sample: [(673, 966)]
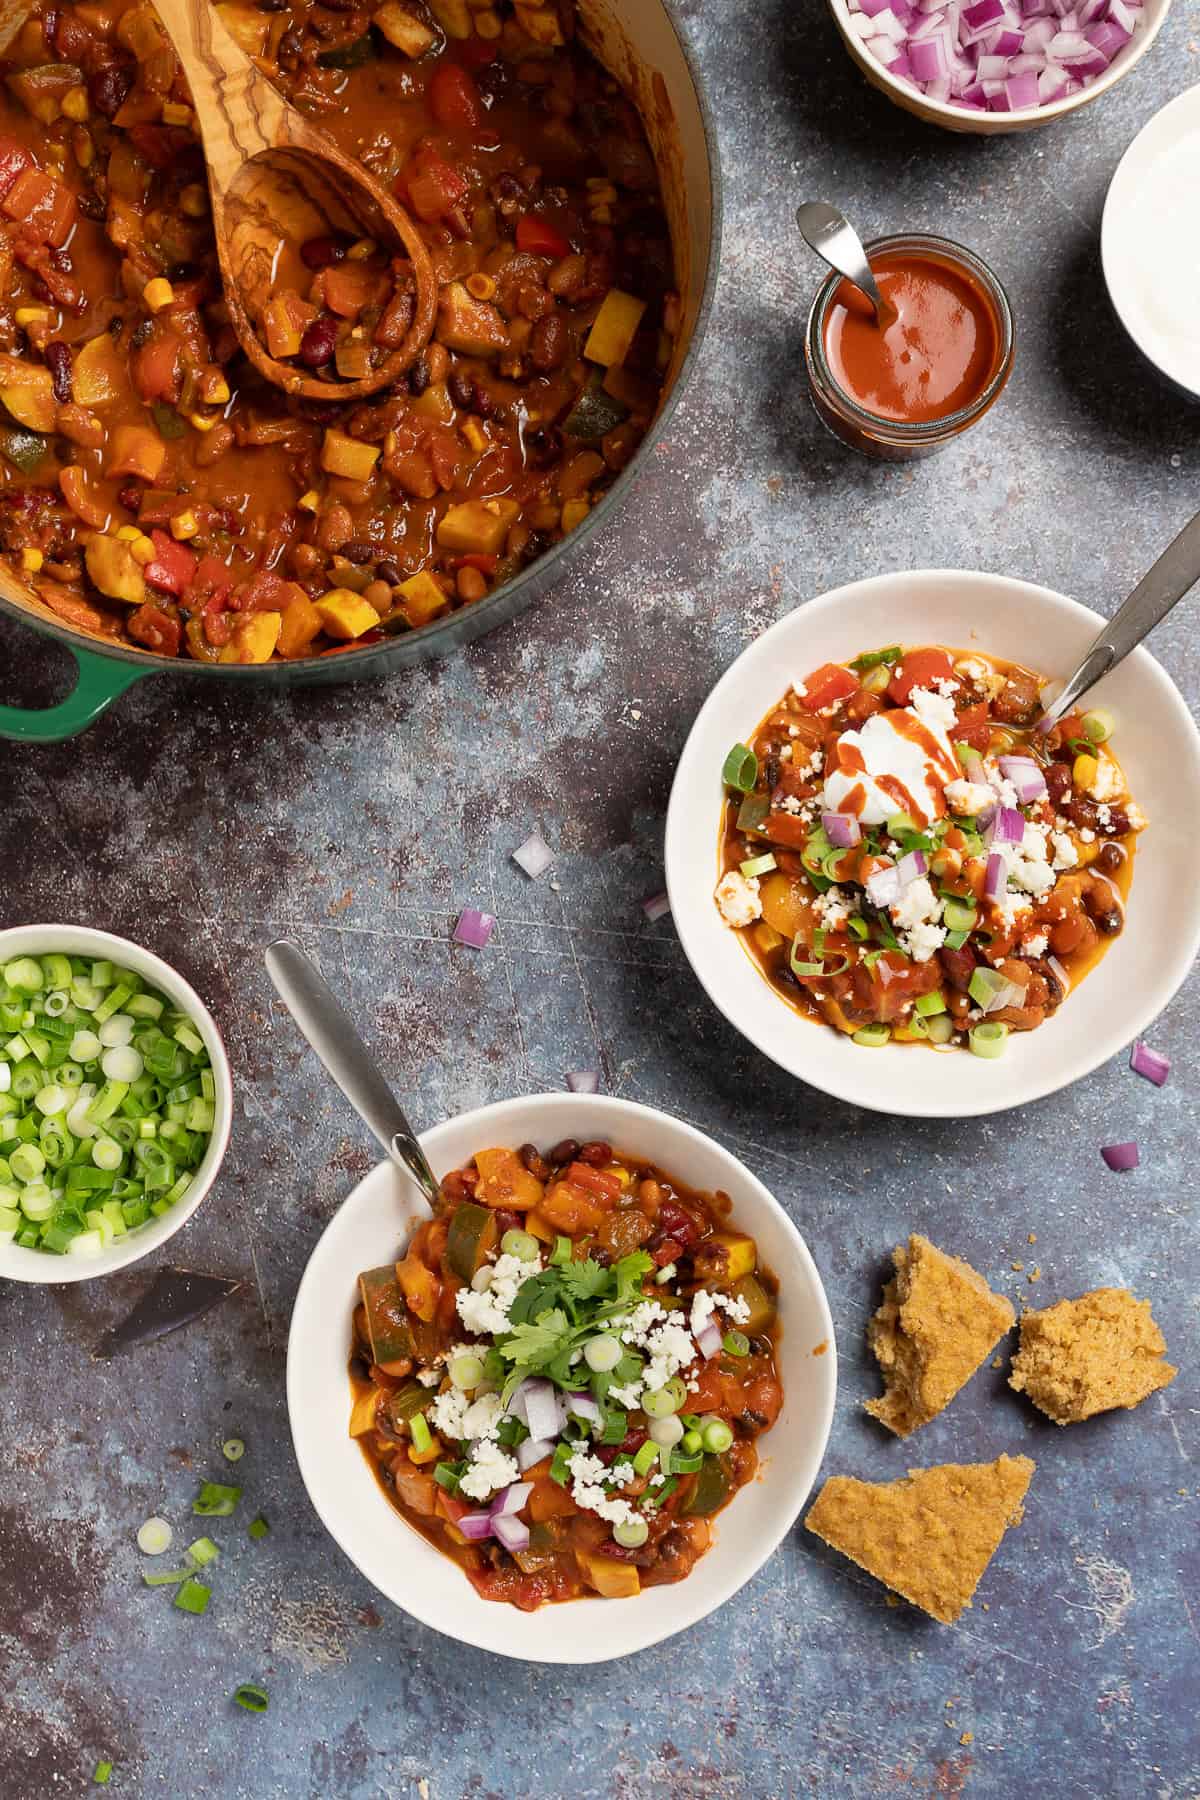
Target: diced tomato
[(476, 559), (537, 237), (972, 727), (174, 564), (264, 592), (368, 637), (161, 145), (450, 1507), (827, 685), (785, 828), (454, 99), (151, 626), (14, 160), (434, 188), (43, 204), (155, 366), (598, 1180), (919, 669)]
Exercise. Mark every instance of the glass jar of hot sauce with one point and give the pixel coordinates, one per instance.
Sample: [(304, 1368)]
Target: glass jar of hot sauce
[(908, 388)]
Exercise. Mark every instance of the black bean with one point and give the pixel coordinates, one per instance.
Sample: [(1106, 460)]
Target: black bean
[(109, 87), (418, 376), (1109, 922), (462, 389), (58, 361), (596, 1153), (564, 1152), (90, 204), (359, 550), (533, 1160), (390, 572)]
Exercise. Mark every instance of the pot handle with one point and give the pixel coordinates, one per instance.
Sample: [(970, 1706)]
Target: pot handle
[(101, 681)]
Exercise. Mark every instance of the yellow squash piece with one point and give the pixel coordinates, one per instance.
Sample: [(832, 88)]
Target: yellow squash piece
[(616, 326), (345, 614), (402, 28), (615, 1580), (137, 450), (301, 624), (28, 393), (423, 598), (453, 17), (362, 1415), (431, 1453), (254, 638), (246, 26), (113, 569), (473, 326), (505, 1181), (477, 527), (342, 455), (100, 375)]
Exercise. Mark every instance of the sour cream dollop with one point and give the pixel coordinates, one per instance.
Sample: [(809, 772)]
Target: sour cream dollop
[(898, 762)]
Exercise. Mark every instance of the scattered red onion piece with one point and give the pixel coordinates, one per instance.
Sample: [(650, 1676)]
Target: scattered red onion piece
[(995, 55), (532, 1451), (510, 1499), (995, 877), (842, 829), (584, 1407), (534, 856), (543, 1414), (1120, 1156), (656, 907), (709, 1341), (883, 886), (1025, 775), (1008, 827), (475, 1526), (1150, 1063), (910, 867), (584, 1081), (474, 928), (512, 1533)]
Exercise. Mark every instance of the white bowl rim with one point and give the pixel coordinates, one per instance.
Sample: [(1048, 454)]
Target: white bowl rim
[(1056, 109), (1123, 191), (505, 1625), (84, 940), (686, 904)]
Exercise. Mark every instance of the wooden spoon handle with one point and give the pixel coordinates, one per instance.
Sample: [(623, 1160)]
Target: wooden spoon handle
[(243, 114)]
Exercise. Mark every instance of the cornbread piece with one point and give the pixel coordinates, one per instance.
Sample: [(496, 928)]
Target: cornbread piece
[(938, 1321), (930, 1536), (1090, 1355)]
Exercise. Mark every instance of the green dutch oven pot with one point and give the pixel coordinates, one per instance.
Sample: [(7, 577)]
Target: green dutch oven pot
[(640, 43)]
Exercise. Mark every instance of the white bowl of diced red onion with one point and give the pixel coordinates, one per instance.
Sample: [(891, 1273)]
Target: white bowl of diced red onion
[(989, 66)]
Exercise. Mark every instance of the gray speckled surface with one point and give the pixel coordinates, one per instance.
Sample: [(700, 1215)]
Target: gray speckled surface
[(361, 819)]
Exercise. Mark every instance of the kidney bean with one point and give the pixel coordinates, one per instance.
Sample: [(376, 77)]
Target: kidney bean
[(91, 206), (1118, 822), (549, 343), (109, 87), (359, 550), (596, 1153), (533, 1160), (1111, 857), (319, 252), (391, 572), (564, 1152), (291, 45), (418, 376), (58, 361), (319, 342), (461, 389), (1058, 782), (130, 496), (508, 1221)]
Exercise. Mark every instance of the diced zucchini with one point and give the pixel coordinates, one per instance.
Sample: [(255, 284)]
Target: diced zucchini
[(474, 1233), (762, 1308), (594, 414), (386, 1315), (349, 56), (23, 449), (714, 1484), (616, 326), (477, 526)]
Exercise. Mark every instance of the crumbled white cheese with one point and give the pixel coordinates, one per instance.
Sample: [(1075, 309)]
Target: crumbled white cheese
[(947, 686), (587, 1474), (834, 907), (489, 1469), (737, 898), (1135, 815), (922, 940), (627, 1397), (487, 1312), (1107, 783), (966, 798), (704, 1306), (671, 1348), (1034, 877), (1033, 844), (735, 1307), (788, 803), (1035, 946), (482, 1417), (429, 1378), (448, 1412), (936, 710), (917, 903), (621, 1472), (1011, 906), (1087, 835), (1104, 815), (1065, 854)]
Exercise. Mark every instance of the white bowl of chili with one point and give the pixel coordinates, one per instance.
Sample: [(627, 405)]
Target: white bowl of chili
[(1158, 747), (370, 1227), (131, 1241)]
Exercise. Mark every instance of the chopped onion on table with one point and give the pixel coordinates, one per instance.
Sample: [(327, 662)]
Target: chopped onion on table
[(1145, 1061), (154, 1536), (584, 1081), (534, 856), (1120, 1156), (656, 907), (474, 928), (995, 55)]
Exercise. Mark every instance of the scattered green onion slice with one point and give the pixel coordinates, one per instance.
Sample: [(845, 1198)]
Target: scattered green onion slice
[(872, 1037), (660, 1403), (193, 1596), (691, 1441), (101, 1773), (422, 1437), (716, 1436), (603, 1353), (758, 865), (203, 1551), (154, 1536), (257, 1528), (1099, 725), (645, 1458), (631, 1534), (985, 985), (216, 1500), (959, 915), (521, 1244), (466, 1372), (735, 1343), (929, 1004), (940, 1029), (168, 1578), (740, 769), (956, 939), (254, 1699), (988, 1038), (233, 1449)]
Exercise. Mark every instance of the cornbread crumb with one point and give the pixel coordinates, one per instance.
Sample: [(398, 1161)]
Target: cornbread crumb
[(930, 1536), (1032, 1238), (968, 1737), (1016, 1267), (936, 1324), (1090, 1355), (1035, 1274)]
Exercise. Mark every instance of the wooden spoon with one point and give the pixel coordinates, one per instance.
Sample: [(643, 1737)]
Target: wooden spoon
[(274, 181)]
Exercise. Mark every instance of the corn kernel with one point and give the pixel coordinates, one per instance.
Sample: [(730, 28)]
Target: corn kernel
[(198, 422), (174, 114), (158, 293), (360, 251), (480, 286), (487, 24), (214, 389), (184, 525), (32, 315), (142, 550), (1084, 771), (129, 534), (574, 513), (475, 435), (31, 561), (75, 104), (310, 501), (85, 150), (194, 200)]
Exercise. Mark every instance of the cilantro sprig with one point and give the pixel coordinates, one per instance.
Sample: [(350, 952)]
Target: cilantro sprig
[(558, 1310)]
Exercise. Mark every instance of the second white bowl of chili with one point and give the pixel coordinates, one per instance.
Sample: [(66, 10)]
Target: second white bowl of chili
[(1154, 740)]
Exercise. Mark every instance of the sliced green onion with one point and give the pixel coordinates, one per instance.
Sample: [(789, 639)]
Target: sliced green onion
[(233, 1449), (940, 1029), (666, 1431), (929, 1004), (956, 939), (735, 1343), (631, 1534), (155, 1536), (216, 1500), (25, 975), (988, 1038), (422, 1437), (169, 1578), (257, 1528), (203, 1551), (1099, 725), (645, 1458), (959, 915), (758, 865), (562, 1251), (254, 1699), (602, 1354), (716, 1436), (101, 1773), (691, 1442), (858, 927), (805, 968), (193, 1596), (466, 1372), (985, 985), (900, 822), (447, 1476), (871, 659), (660, 1403), (521, 1244), (872, 1037), (739, 771)]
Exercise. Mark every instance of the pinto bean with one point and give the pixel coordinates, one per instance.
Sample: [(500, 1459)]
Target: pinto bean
[(549, 343)]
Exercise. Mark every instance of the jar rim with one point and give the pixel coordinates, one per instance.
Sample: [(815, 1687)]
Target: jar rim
[(900, 430)]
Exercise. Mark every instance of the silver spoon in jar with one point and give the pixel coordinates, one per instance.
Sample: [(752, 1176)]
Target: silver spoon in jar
[(830, 233), (331, 1033), (1161, 588)]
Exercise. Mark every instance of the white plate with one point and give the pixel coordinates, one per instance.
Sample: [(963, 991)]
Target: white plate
[(1150, 241), (1156, 742), (368, 1230)]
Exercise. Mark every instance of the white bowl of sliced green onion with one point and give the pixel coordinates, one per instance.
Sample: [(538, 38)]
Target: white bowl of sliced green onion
[(115, 1102)]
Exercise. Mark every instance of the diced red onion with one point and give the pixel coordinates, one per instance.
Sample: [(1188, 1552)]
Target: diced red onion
[(534, 856), (995, 876), (842, 829), (532, 1451), (542, 1414), (475, 1526), (965, 54), (584, 1407), (1120, 1156), (1150, 1063), (1008, 826), (709, 1341), (516, 1406), (511, 1499), (883, 886), (910, 867), (474, 928), (584, 1081), (656, 907), (1022, 771), (512, 1533)]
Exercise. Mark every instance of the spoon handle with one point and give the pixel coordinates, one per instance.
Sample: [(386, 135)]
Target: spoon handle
[(1162, 587), (241, 111), (331, 1033), (830, 233)]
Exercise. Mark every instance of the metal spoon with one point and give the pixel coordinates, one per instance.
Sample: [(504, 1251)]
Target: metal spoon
[(329, 1030), (274, 179), (830, 233), (1162, 587)]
